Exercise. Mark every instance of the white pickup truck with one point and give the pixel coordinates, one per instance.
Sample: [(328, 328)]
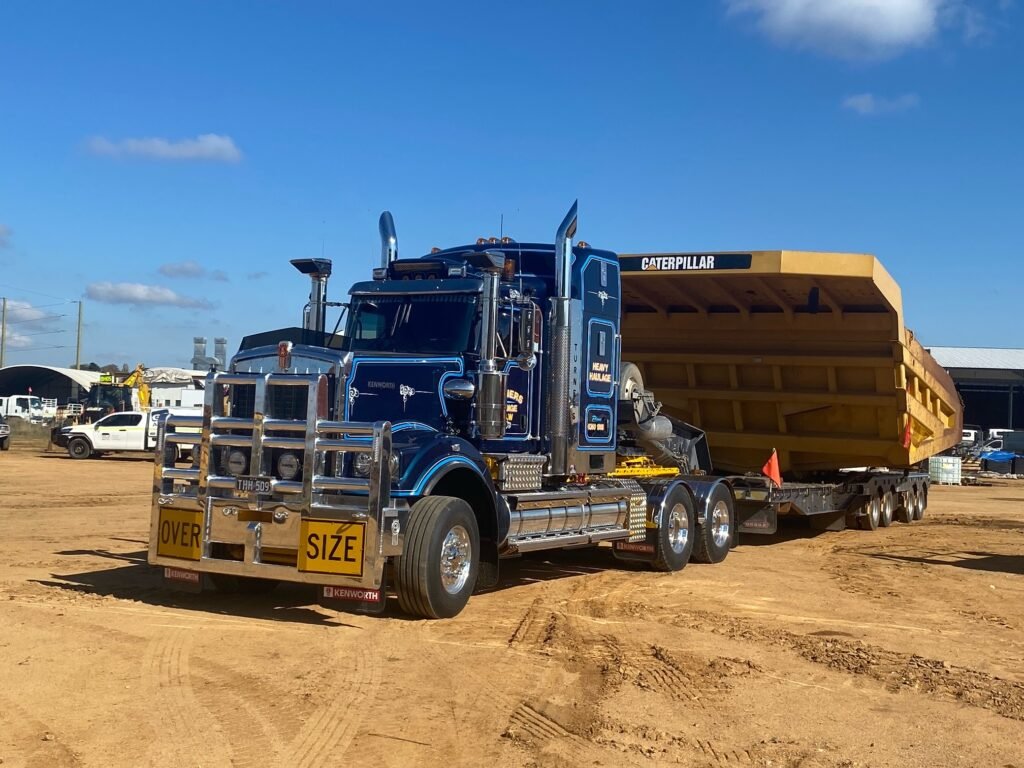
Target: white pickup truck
[(121, 432)]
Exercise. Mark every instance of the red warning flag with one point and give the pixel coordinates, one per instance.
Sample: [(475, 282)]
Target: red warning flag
[(771, 468), (907, 434)]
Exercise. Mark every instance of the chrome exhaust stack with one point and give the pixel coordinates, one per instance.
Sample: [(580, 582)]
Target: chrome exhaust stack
[(388, 239), (314, 315), (491, 379), (558, 390)]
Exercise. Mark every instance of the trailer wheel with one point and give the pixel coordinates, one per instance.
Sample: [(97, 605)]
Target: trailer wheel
[(436, 573), (79, 448), (869, 522), (676, 533), (885, 516), (921, 503), (905, 511), (715, 533)]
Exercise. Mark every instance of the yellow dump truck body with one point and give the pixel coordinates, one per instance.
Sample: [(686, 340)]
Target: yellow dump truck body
[(803, 352)]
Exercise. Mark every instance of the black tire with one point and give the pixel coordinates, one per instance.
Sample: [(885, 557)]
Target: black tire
[(922, 503), (242, 585), (5, 444), (905, 511), (437, 522), (715, 535), (79, 448), (886, 509), (873, 510), (677, 532)]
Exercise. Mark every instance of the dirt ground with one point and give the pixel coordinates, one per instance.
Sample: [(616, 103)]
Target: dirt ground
[(902, 647)]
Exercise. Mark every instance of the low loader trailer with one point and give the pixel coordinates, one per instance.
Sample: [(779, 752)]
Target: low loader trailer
[(492, 399)]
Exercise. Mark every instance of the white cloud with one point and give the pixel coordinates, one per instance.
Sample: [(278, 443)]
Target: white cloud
[(142, 295), (192, 269), (5, 236), (869, 104), (852, 29), (210, 147)]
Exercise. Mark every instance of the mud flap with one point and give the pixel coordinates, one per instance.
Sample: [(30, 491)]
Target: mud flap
[(637, 551), (184, 580), (354, 599), (762, 520)]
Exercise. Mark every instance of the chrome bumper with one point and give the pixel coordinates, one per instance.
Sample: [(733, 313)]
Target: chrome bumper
[(243, 534)]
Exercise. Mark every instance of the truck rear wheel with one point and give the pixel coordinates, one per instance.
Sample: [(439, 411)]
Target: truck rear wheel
[(5, 444), (715, 534), (79, 448), (436, 572), (676, 533), (886, 509), (873, 509)]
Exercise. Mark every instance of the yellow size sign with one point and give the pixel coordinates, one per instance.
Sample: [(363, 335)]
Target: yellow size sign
[(329, 546)]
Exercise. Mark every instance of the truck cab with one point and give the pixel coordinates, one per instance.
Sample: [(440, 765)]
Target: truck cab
[(472, 409), (26, 407)]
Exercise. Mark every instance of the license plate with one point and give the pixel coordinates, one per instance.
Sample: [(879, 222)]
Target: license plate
[(180, 534), (261, 486), (329, 546)]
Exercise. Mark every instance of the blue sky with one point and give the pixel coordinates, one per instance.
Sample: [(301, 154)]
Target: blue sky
[(163, 161)]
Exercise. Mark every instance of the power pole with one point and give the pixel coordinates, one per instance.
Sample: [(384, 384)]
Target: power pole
[(78, 341), (3, 331)]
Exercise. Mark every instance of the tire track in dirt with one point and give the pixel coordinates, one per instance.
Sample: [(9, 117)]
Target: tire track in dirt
[(178, 717), (896, 671), (328, 732), (50, 750)]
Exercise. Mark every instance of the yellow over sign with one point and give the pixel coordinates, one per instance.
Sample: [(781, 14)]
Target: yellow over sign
[(180, 534)]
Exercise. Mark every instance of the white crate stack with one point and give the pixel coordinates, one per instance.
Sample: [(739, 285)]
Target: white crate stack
[(944, 470)]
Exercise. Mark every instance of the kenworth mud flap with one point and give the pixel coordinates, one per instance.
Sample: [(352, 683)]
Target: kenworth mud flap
[(276, 491)]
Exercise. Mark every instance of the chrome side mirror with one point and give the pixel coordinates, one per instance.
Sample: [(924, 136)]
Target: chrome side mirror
[(459, 389)]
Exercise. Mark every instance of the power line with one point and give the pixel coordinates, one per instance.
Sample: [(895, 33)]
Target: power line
[(34, 319), (62, 299)]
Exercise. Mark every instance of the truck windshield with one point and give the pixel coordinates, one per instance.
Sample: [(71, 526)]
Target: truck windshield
[(411, 323)]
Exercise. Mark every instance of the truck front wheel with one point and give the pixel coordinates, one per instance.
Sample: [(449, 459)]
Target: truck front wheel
[(5, 444), (436, 572), (714, 535), (79, 448)]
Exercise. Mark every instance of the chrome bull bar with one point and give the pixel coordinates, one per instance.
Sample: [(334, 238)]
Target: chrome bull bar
[(202, 522)]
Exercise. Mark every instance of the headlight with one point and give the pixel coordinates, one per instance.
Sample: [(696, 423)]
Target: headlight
[(288, 466), (361, 464), (237, 463)]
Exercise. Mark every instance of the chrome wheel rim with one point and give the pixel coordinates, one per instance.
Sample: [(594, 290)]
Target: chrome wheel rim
[(678, 528), (875, 511), (887, 506), (456, 560), (720, 523)]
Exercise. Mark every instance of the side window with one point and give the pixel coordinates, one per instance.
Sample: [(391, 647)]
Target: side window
[(133, 419)]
